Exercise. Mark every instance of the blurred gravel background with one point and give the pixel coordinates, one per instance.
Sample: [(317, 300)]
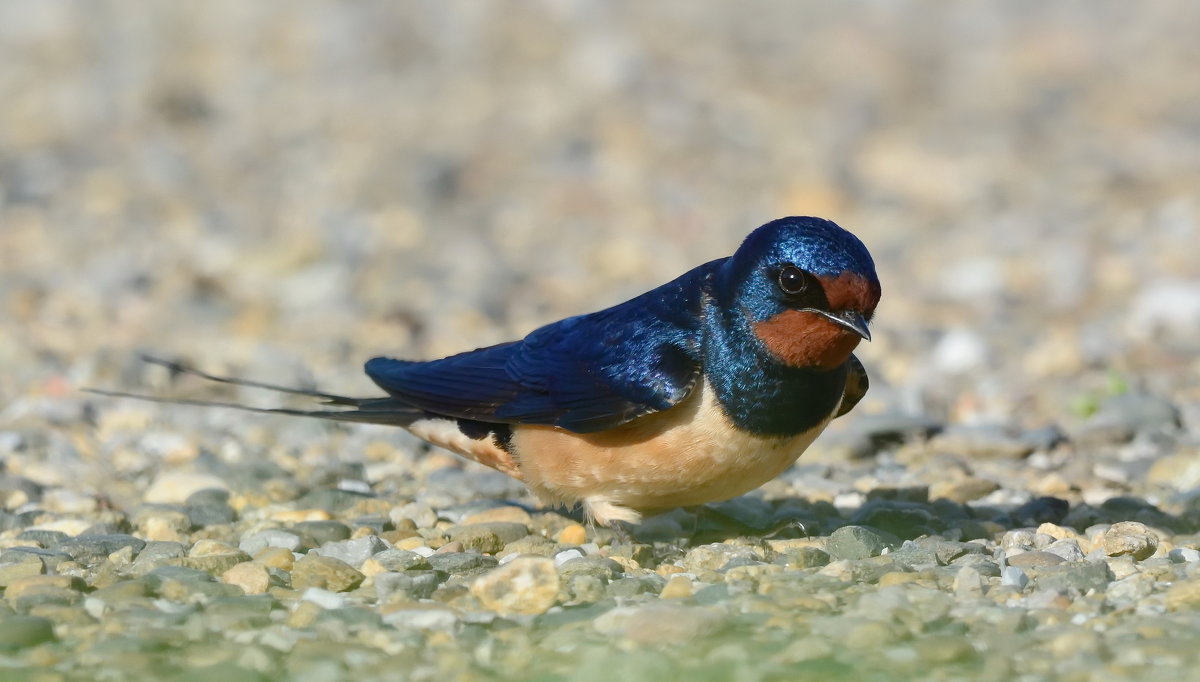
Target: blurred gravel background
[(284, 189)]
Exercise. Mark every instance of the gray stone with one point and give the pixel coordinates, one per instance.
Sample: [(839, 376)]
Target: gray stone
[(714, 557), (47, 539), (254, 543), (460, 562), (490, 537), (353, 552), (857, 542), (916, 555), (321, 532), (1066, 548), (595, 566), (155, 554), (91, 549), (1130, 589), (409, 584), (1078, 578), (202, 515), (1184, 555), (1013, 576), (331, 499), (401, 560)]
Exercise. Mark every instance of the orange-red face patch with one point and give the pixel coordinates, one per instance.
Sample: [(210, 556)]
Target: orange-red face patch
[(804, 339), (850, 291)]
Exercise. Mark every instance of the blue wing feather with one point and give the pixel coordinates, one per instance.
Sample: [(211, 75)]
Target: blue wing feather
[(584, 374)]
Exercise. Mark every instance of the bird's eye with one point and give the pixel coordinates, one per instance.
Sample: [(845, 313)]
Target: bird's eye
[(792, 280)]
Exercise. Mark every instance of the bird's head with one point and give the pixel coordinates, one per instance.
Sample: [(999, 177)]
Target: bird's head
[(807, 289)]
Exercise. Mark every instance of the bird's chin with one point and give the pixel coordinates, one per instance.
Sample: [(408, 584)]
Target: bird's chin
[(799, 338)]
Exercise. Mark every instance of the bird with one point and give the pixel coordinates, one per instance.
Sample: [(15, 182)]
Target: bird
[(697, 391)]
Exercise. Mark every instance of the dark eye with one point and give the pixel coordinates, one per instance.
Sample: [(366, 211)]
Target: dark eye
[(792, 280)]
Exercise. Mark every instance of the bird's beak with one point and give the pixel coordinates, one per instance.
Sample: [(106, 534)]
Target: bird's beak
[(848, 319)]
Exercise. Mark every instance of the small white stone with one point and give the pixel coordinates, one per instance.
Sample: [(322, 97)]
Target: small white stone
[(323, 598), (94, 607), (1014, 577), (566, 555), (1182, 555), (354, 486)]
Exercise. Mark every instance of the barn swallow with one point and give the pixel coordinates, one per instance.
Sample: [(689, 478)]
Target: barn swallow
[(697, 391)]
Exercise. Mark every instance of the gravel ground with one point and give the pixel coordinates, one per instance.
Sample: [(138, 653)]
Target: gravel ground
[(284, 189)]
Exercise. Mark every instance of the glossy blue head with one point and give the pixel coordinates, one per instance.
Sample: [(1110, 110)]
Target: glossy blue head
[(806, 288)]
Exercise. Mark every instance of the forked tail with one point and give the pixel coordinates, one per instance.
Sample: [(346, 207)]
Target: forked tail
[(387, 411)]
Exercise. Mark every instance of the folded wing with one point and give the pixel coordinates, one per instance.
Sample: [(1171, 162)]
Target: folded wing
[(584, 374)]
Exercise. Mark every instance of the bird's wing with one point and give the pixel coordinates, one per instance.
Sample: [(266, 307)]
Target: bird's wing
[(584, 374), (856, 386)]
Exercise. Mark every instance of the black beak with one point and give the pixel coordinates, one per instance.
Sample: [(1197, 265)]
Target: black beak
[(848, 319)]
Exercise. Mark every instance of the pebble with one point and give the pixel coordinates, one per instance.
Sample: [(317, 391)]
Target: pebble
[(1013, 576), (523, 586), (326, 573), (857, 542), (460, 562), (969, 583), (255, 543), (322, 532), (410, 585), (353, 552), (573, 534), (1184, 555), (91, 549), (490, 537), (394, 560), (1035, 559), (175, 487), (253, 578), (1130, 538)]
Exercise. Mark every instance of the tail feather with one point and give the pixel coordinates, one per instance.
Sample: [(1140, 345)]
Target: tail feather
[(180, 368), (387, 411)]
